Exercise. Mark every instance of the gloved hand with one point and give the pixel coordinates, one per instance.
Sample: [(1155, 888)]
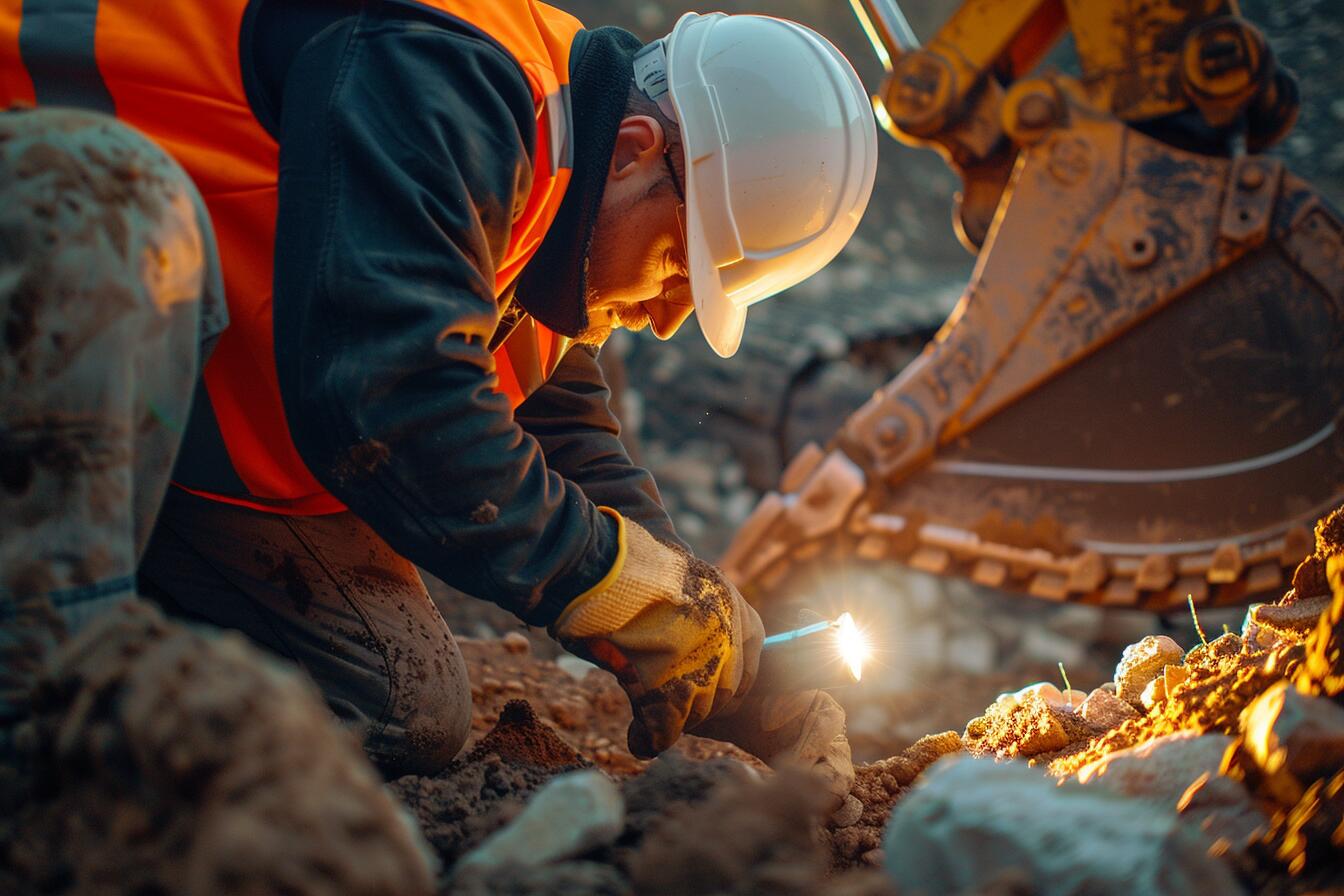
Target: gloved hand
[(805, 730), (677, 635)]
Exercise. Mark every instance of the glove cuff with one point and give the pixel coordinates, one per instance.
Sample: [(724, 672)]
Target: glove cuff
[(646, 571)]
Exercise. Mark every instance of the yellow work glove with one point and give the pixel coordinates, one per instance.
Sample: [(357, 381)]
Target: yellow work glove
[(676, 634)]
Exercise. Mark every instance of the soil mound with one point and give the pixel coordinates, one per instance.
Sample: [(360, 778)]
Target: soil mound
[(481, 792), (747, 837), (161, 761), (521, 738)]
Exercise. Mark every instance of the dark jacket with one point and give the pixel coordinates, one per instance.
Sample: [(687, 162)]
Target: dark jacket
[(427, 127)]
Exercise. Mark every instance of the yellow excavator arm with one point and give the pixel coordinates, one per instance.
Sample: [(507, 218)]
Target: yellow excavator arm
[(1136, 398)]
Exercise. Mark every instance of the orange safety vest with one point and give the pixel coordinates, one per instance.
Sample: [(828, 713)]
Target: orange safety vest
[(170, 68)]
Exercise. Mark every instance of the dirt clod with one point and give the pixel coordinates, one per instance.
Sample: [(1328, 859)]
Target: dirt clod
[(747, 837), (156, 758)]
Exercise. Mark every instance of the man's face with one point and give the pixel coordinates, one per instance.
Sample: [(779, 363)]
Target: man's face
[(637, 263)]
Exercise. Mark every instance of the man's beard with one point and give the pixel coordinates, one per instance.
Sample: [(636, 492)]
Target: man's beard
[(632, 316)]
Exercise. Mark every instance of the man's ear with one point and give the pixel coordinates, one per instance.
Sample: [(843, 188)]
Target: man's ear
[(639, 142)]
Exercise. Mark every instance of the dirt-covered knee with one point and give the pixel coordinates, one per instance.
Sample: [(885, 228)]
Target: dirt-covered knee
[(432, 716)]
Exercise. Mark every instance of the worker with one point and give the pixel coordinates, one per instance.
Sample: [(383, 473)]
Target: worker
[(430, 215)]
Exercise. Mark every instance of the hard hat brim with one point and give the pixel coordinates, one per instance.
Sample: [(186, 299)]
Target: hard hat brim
[(721, 320)]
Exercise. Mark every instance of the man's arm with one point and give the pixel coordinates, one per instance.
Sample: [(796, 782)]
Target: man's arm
[(405, 157), (570, 417)]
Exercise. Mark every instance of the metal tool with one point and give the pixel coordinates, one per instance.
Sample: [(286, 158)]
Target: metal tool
[(825, 654)]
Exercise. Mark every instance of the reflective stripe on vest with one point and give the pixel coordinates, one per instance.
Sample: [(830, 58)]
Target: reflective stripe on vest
[(170, 68)]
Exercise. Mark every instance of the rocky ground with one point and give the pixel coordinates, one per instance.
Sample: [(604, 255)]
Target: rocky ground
[(159, 760)]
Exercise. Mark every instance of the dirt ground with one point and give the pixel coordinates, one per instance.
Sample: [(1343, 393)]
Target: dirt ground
[(158, 760)]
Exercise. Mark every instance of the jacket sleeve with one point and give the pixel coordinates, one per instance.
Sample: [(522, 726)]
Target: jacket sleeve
[(570, 416), (405, 157)]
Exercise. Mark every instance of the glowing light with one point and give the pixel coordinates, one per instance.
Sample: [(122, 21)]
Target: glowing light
[(853, 644)]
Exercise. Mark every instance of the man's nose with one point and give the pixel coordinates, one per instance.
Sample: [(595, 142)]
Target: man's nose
[(669, 311)]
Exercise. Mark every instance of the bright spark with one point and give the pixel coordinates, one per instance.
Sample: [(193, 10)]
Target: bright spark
[(853, 644)]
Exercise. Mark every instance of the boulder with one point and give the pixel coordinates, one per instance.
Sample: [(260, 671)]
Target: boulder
[(1180, 772), (971, 821), (1141, 663), (571, 815), (1286, 731)]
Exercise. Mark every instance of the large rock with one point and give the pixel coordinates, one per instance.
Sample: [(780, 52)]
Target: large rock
[(971, 821), (1141, 663), (1180, 772), (1291, 621), (572, 814), (1287, 732)]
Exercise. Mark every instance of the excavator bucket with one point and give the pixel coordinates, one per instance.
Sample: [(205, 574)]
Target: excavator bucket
[(1135, 401)]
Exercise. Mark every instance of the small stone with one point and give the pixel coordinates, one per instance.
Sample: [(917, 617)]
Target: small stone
[(573, 666), (490, 684), (567, 714), (850, 811), (1153, 693), (1172, 676), (1043, 689), (971, 820), (1141, 663), (1073, 699), (516, 642), (572, 814), (1106, 710), (873, 858), (1041, 731), (514, 685)]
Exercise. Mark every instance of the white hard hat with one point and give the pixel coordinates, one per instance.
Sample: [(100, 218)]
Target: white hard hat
[(781, 151)]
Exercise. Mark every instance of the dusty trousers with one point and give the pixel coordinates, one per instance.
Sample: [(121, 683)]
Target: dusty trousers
[(330, 595), (109, 292)]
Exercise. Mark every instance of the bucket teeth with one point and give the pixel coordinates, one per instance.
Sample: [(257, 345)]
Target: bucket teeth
[(1087, 573), (1298, 542), (990, 573), (1227, 564), (1154, 574), (931, 559), (872, 547), (802, 466), (1265, 577), (1049, 585), (1120, 593), (1194, 588)]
